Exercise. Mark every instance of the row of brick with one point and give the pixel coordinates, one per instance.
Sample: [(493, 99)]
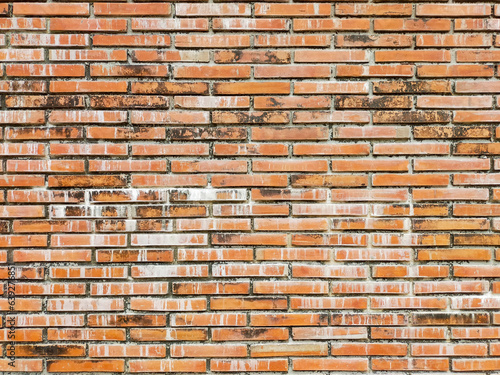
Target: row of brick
[(393, 271), (360, 102), (244, 10), (260, 365)]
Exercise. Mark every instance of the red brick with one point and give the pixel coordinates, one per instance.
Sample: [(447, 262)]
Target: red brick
[(373, 10), (454, 10), (249, 365), (120, 9), (88, 25), (298, 349), (410, 180), (413, 333), (21, 117), (255, 88), (82, 365), (128, 71), (47, 40), (61, 9), (212, 102), (87, 87), (22, 365), (16, 55), (375, 71), (168, 56), (486, 364), (212, 72), (331, 149), (249, 334), (440, 71), (208, 350), (454, 102), (297, 71), (331, 88), (451, 164), (369, 165), (289, 133), (414, 364)]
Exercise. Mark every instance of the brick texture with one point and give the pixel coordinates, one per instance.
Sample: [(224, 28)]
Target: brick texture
[(238, 187)]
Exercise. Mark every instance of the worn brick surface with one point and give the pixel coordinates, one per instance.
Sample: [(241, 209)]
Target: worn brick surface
[(250, 187)]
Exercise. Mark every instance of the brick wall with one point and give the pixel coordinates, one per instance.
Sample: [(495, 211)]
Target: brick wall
[(282, 187)]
